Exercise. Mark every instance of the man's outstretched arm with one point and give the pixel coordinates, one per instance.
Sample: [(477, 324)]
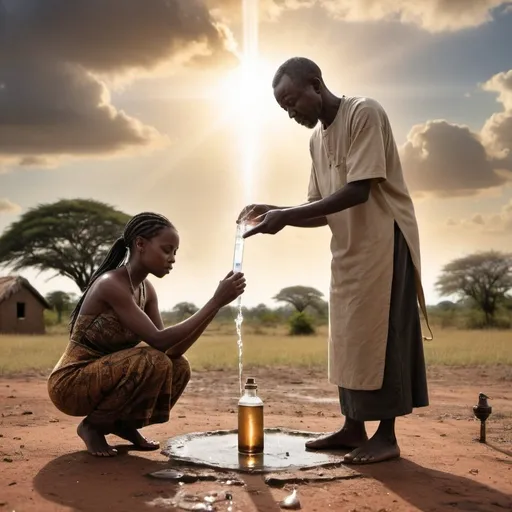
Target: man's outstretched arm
[(350, 195), (316, 222), (306, 223)]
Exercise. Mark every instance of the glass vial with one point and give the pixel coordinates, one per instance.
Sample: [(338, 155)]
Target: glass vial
[(238, 256), (250, 420)]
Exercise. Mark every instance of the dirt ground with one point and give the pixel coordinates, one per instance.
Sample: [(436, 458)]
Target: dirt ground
[(44, 468)]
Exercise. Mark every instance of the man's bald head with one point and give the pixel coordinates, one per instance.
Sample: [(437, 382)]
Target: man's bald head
[(298, 88), (302, 71)]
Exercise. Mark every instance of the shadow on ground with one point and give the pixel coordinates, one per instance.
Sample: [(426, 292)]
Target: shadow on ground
[(82, 482), (89, 484), (430, 490), (499, 449)]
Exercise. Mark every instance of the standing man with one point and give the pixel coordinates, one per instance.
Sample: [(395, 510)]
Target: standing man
[(357, 188)]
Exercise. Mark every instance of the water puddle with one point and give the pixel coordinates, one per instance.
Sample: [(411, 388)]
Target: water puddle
[(207, 502), (284, 450)]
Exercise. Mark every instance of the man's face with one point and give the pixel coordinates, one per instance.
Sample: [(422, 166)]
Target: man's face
[(303, 103)]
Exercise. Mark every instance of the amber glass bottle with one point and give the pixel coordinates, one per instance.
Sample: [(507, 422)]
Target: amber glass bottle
[(250, 420)]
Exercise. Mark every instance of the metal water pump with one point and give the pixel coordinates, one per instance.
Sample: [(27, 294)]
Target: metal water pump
[(482, 411)]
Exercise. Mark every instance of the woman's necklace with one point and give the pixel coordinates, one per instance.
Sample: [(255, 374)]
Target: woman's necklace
[(130, 278)]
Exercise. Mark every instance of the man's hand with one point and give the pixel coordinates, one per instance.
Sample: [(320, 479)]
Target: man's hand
[(271, 223), (251, 212)]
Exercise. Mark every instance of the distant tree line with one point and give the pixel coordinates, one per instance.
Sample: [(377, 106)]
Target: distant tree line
[(303, 308), (71, 237)]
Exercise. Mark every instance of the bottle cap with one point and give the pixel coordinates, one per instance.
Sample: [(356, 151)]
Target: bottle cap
[(251, 383)]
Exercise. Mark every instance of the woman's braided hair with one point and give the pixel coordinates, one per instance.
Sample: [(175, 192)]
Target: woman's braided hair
[(146, 225)]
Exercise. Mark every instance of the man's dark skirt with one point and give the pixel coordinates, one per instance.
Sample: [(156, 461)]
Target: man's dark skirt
[(405, 380)]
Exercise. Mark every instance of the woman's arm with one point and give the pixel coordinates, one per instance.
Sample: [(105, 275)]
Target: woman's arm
[(153, 311), (119, 298), (181, 347)]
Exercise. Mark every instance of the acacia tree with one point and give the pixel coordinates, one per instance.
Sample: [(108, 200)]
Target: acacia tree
[(70, 237), (60, 302), (300, 297), (484, 277)]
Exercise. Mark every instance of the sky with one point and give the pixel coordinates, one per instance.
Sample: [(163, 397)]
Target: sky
[(150, 105)]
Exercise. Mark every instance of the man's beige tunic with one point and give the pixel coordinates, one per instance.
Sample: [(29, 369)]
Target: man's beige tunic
[(359, 145)]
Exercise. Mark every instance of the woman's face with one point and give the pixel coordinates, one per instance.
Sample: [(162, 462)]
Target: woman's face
[(158, 254)]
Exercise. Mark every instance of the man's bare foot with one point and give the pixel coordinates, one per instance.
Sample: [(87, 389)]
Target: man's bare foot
[(95, 441), (345, 439), (136, 438), (377, 449)]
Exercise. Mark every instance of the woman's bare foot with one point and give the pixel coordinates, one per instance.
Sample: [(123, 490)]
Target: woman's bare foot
[(377, 449), (352, 435), (95, 441), (136, 438)]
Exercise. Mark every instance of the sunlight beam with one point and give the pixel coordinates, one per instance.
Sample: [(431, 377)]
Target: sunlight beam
[(242, 99), (249, 135), (250, 27)]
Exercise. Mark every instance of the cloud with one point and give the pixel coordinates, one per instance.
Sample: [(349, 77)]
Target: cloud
[(36, 161), (495, 223), (117, 35), (430, 15), (7, 206), (497, 131), (496, 139), (447, 159), (433, 16), (502, 84), (56, 57), (56, 109), (444, 159)]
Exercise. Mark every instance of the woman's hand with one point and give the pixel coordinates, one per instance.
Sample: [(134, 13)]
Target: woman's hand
[(232, 286)]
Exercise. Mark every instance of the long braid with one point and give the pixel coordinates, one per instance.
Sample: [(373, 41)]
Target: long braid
[(146, 225)]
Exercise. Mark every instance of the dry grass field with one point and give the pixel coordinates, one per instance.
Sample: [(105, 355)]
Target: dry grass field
[(217, 349)]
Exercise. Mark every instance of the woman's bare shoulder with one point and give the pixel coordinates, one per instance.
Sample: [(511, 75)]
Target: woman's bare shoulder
[(111, 276), (110, 281)]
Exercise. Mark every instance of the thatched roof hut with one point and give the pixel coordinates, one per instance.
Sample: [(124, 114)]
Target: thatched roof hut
[(21, 307), (11, 285)]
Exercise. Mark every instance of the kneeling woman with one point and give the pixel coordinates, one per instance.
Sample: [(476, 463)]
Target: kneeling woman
[(103, 374)]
